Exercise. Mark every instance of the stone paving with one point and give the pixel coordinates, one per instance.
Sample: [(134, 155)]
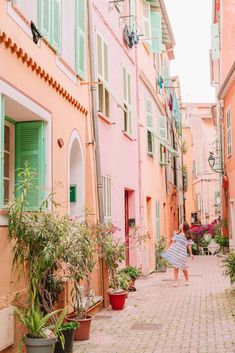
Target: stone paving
[(161, 319)]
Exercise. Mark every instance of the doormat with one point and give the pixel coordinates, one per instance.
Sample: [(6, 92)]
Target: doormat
[(146, 327)]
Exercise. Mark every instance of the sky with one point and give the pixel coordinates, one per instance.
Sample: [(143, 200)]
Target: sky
[(191, 21)]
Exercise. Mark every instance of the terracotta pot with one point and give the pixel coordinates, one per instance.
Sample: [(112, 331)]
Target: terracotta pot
[(83, 332), (117, 300)]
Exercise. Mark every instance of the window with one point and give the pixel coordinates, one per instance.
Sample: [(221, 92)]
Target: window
[(163, 155), (28, 142), (149, 123), (8, 173), (158, 228), (127, 101), (217, 198), (132, 4), (107, 184), (194, 168), (229, 133), (198, 202), (146, 19), (102, 57), (49, 19), (156, 31), (80, 38)]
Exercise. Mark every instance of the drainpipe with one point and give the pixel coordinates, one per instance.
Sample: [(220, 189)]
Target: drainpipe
[(94, 93), (94, 113)]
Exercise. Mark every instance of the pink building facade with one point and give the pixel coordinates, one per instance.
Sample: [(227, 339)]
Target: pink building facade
[(223, 69), (136, 126), (203, 194)]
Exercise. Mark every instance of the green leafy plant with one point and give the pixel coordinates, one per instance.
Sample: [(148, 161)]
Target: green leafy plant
[(80, 260), (112, 251), (132, 271), (124, 280), (229, 264), (70, 326), (160, 245)]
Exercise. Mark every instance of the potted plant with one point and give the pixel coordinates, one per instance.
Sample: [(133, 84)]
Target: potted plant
[(67, 330), (112, 251), (80, 261), (38, 249), (229, 264), (133, 272), (160, 263), (41, 333)]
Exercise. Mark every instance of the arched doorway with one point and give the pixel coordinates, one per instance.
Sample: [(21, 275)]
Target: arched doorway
[(76, 188)]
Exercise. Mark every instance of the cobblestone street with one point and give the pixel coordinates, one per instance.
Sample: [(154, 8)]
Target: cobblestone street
[(161, 319)]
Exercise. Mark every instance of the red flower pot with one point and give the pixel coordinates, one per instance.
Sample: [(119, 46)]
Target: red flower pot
[(117, 300), (83, 332)]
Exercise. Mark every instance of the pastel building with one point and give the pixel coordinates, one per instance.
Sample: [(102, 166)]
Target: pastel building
[(199, 133), (223, 67), (44, 119)]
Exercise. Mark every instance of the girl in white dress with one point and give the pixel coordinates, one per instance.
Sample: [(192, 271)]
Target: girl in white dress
[(176, 255)]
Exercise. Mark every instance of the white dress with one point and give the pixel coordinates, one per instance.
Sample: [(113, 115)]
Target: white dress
[(176, 255)]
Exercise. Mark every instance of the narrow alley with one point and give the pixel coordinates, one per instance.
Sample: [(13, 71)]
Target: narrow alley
[(161, 319)]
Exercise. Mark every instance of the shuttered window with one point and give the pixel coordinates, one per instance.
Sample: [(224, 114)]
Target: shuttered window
[(49, 19), (215, 41), (150, 127), (198, 202), (127, 101), (156, 32), (80, 38), (103, 76), (132, 4), (158, 228), (194, 168), (146, 19), (229, 132), (2, 117), (107, 200), (8, 170), (30, 149)]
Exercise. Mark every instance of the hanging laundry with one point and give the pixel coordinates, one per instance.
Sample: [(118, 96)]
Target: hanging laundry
[(170, 102)]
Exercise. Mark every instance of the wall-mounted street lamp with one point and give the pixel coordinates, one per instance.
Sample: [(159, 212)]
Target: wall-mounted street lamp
[(212, 163), (211, 160)]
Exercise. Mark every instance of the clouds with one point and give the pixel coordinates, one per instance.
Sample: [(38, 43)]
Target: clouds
[(191, 21)]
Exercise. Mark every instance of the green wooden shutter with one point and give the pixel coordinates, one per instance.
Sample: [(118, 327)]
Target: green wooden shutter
[(146, 19), (105, 63), (215, 41), (2, 117), (44, 18), (132, 14), (81, 38), (150, 129), (56, 24), (100, 55), (30, 148), (156, 27), (158, 230), (162, 128)]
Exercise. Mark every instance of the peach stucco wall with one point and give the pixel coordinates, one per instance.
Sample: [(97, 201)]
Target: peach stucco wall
[(229, 103), (227, 36), (65, 118)]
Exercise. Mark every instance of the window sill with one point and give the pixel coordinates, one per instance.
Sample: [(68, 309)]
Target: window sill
[(150, 155), (126, 134), (104, 118)]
